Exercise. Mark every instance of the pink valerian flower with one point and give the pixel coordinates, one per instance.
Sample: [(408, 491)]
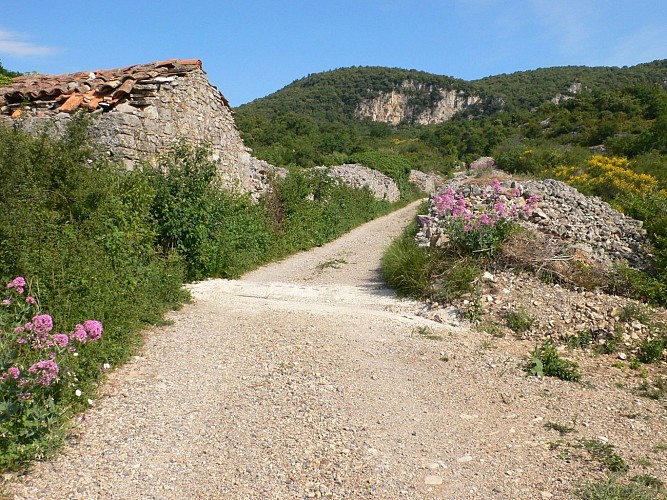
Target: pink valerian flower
[(79, 334), (60, 339), (93, 329), (14, 372), (486, 220), (501, 209), (46, 371), (31, 300), (18, 282), (43, 323), (6, 302), (497, 188)]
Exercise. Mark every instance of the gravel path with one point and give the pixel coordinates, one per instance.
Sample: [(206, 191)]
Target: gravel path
[(307, 378)]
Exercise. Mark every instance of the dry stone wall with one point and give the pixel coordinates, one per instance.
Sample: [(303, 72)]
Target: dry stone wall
[(360, 177), (158, 113)]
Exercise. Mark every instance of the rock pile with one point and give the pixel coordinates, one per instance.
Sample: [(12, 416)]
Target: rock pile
[(359, 177), (582, 224), (576, 224), (428, 183)]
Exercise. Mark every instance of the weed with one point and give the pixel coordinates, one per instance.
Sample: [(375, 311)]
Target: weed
[(475, 309), (546, 361), (660, 448), (645, 462), (612, 489), (493, 329), (331, 264), (604, 454), (649, 481), (632, 311), (620, 365), (519, 321), (579, 341), (650, 351), (427, 333), (657, 390), (560, 428)]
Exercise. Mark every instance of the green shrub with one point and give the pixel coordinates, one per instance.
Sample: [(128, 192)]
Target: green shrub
[(545, 361), (406, 267), (519, 321), (81, 231), (219, 234)]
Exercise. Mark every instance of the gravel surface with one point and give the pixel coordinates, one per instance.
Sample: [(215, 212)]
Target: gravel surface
[(307, 379)]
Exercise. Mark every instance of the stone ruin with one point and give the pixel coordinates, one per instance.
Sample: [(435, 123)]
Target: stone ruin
[(138, 112)]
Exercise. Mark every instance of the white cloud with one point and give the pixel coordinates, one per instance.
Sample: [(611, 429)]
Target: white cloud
[(15, 44)]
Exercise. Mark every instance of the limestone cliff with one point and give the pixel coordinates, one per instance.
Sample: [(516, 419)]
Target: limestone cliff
[(416, 103)]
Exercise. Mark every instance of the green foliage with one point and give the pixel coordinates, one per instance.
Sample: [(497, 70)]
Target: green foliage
[(613, 489), (309, 208), (519, 321), (605, 454), (406, 267), (389, 164), (6, 76), (218, 233), (81, 231), (546, 361)]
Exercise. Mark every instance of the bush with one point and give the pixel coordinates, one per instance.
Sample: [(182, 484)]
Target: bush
[(391, 165), (406, 267), (545, 361), (80, 230), (219, 234)]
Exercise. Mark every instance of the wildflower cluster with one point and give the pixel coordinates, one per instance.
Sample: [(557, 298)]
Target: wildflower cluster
[(607, 177), (483, 164), (483, 226), (35, 361)]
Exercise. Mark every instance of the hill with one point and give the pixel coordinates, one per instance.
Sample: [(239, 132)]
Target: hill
[(331, 117)]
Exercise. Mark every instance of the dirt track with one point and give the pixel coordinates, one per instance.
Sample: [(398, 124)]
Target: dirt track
[(308, 378)]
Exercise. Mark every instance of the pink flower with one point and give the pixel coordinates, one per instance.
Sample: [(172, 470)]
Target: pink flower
[(18, 282), (46, 371), (61, 339), (79, 334), (30, 300), (93, 329), (486, 220), (43, 323), (501, 209), (6, 302), (497, 188), (14, 372)]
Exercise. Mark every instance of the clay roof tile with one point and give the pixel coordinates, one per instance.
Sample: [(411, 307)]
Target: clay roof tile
[(70, 88)]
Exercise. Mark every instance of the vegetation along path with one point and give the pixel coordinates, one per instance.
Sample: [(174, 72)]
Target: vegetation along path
[(308, 378)]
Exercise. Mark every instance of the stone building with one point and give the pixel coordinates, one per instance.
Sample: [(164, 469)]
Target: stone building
[(139, 111)]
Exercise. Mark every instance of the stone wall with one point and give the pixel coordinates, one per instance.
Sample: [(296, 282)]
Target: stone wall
[(158, 113), (360, 177)]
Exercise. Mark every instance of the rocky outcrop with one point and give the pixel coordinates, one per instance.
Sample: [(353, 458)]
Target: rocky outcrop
[(360, 177), (402, 106)]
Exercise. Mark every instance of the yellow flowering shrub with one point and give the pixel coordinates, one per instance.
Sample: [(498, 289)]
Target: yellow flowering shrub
[(607, 177)]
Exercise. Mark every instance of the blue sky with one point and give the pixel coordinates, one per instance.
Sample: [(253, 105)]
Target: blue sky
[(253, 48)]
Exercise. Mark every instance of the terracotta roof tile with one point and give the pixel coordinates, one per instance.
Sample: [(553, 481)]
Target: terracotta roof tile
[(89, 89)]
